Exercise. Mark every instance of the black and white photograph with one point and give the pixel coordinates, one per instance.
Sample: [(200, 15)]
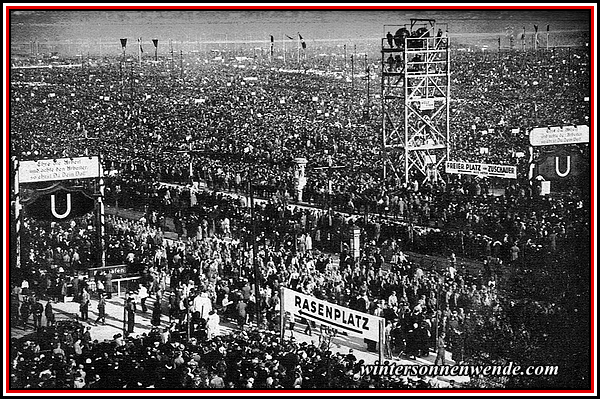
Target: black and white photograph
[(295, 198)]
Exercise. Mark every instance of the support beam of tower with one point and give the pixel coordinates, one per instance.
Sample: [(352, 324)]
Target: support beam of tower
[(415, 96)]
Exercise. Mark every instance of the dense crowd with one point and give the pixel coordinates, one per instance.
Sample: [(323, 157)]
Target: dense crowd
[(145, 122), (244, 360), (228, 127)]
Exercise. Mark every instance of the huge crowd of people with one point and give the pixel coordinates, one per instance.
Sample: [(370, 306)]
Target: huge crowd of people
[(230, 128)]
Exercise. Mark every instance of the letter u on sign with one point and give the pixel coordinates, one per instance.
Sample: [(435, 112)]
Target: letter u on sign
[(53, 207), (557, 168)]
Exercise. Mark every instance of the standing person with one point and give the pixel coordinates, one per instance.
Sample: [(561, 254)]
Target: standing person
[(212, 325), (49, 313), (130, 312), (242, 314), (101, 310), (173, 307), (75, 284), (37, 309), (87, 338), (84, 305), (100, 286), (156, 312), (143, 295), (441, 349), (25, 312), (108, 288), (202, 305), (78, 349), (64, 289), (15, 303)]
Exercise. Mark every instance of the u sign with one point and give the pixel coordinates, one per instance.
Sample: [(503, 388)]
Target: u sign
[(53, 207), (557, 166)]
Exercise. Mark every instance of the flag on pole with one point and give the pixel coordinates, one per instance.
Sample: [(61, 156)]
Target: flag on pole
[(272, 40), (123, 43), (140, 43), (548, 28), (155, 42), (523, 34), (302, 40)]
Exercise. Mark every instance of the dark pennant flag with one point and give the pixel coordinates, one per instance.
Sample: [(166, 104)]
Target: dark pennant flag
[(302, 40), (123, 43)]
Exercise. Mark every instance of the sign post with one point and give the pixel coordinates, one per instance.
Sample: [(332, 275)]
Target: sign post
[(58, 202), (281, 313), (17, 212), (101, 218), (381, 339)]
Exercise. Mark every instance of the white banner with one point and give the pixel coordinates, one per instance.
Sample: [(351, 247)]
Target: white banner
[(427, 104), (481, 169), (553, 135), (59, 169), (363, 325)]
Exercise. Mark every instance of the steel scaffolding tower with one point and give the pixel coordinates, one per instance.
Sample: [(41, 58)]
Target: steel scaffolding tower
[(415, 96)]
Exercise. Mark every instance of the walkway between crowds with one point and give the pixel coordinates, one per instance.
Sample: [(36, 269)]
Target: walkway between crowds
[(69, 310)]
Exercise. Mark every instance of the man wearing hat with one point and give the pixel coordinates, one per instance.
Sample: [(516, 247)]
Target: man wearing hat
[(130, 312), (37, 309), (49, 313), (84, 304), (101, 309), (441, 349)]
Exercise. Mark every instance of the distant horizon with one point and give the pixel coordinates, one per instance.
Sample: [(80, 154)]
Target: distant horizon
[(476, 27)]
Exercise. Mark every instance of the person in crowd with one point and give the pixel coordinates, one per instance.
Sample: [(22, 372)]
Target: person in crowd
[(49, 313), (130, 308), (84, 304), (101, 309), (156, 311), (37, 309)]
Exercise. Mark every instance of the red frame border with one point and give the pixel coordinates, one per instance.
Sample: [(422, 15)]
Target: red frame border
[(10, 8)]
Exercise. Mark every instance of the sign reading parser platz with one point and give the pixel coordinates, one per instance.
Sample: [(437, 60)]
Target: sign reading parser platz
[(481, 169), (353, 322), (59, 169), (555, 135)]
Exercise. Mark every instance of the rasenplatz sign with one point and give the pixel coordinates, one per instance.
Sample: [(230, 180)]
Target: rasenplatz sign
[(356, 323)]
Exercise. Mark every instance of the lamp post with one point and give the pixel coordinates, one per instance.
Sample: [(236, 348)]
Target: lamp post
[(247, 153)]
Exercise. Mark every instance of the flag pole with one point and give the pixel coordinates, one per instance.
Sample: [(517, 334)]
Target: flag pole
[(283, 40), (298, 47), (140, 51), (281, 314), (17, 208), (381, 340)]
